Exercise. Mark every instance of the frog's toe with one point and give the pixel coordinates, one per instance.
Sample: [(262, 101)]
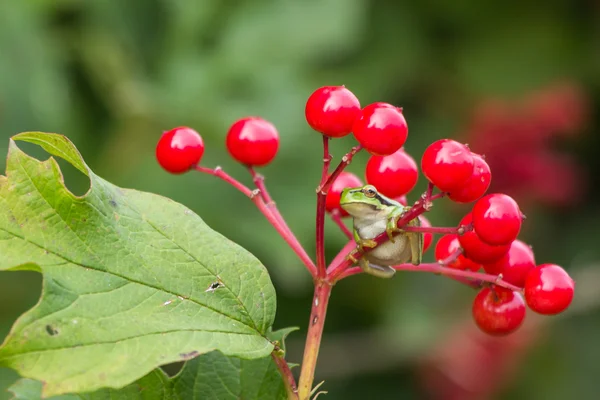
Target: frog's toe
[(370, 243)]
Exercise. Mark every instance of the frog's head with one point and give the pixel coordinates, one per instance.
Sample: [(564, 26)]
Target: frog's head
[(362, 201)]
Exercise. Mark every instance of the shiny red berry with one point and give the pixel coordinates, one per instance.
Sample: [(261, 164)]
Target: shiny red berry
[(253, 141), (476, 185), (332, 110), (514, 265), (498, 311), (477, 250), (344, 180), (447, 164), (393, 175), (381, 129), (179, 150), (448, 245), (497, 219), (548, 289), (427, 237), (402, 200)]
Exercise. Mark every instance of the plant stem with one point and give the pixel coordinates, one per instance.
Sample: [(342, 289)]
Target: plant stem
[(313, 337), (259, 181), (439, 230), (322, 190), (320, 219), (337, 218), (219, 173), (286, 374), (446, 271), (289, 238)]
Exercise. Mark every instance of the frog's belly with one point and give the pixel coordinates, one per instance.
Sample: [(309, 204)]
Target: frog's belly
[(387, 253)]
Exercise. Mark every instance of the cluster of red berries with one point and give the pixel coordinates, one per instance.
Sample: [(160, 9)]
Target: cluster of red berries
[(487, 236)]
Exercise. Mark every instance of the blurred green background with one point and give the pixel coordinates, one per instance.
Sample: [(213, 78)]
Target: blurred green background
[(112, 75)]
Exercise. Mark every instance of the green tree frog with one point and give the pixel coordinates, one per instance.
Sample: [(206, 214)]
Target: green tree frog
[(374, 214)]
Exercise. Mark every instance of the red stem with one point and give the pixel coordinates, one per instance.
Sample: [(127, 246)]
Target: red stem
[(336, 216), (259, 181), (286, 373), (459, 230), (313, 338), (320, 219), (219, 173), (254, 195), (446, 271)]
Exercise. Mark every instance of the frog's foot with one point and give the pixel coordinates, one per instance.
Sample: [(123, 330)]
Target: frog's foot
[(353, 259), (370, 243), (376, 270)]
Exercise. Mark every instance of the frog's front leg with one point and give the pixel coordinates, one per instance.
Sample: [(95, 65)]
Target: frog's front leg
[(376, 270), (392, 222)]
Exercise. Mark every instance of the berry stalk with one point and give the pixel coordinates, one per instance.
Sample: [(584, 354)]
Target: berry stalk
[(259, 181), (446, 271), (320, 218), (439, 230), (256, 198)]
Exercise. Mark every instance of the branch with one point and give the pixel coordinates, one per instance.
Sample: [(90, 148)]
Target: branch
[(313, 338), (446, 271), (286, 374), (256, 198), (320, 218)]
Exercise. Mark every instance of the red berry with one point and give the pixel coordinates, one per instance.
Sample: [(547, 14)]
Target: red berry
[(476, 185), (392, 175), (381, 129), (498, 311), (332, 110), (427, 237), (497, 219), (402, 200), (448, 245), (344, 180), (447, 164), (253, 141), (514, 265), (477, 250), (179, 149), (548, 289)]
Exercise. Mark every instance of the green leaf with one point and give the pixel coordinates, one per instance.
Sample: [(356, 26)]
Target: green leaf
[(132, 280), (154, 386), (215, 376), (209, 376)]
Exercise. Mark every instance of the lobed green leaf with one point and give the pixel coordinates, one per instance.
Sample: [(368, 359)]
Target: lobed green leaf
[(132, 280)]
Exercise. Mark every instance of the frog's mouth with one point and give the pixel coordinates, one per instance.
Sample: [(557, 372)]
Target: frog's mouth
[(359, 209)]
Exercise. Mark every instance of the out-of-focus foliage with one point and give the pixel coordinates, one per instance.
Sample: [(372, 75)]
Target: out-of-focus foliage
[(112, 75)]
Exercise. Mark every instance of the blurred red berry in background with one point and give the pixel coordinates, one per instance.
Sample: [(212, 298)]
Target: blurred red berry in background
[(520, 143)]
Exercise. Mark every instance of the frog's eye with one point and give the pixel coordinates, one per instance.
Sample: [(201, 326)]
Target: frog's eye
[(370, 191)]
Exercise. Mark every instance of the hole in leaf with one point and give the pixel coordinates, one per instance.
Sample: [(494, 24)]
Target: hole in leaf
[(214, 286), (52, 331)]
